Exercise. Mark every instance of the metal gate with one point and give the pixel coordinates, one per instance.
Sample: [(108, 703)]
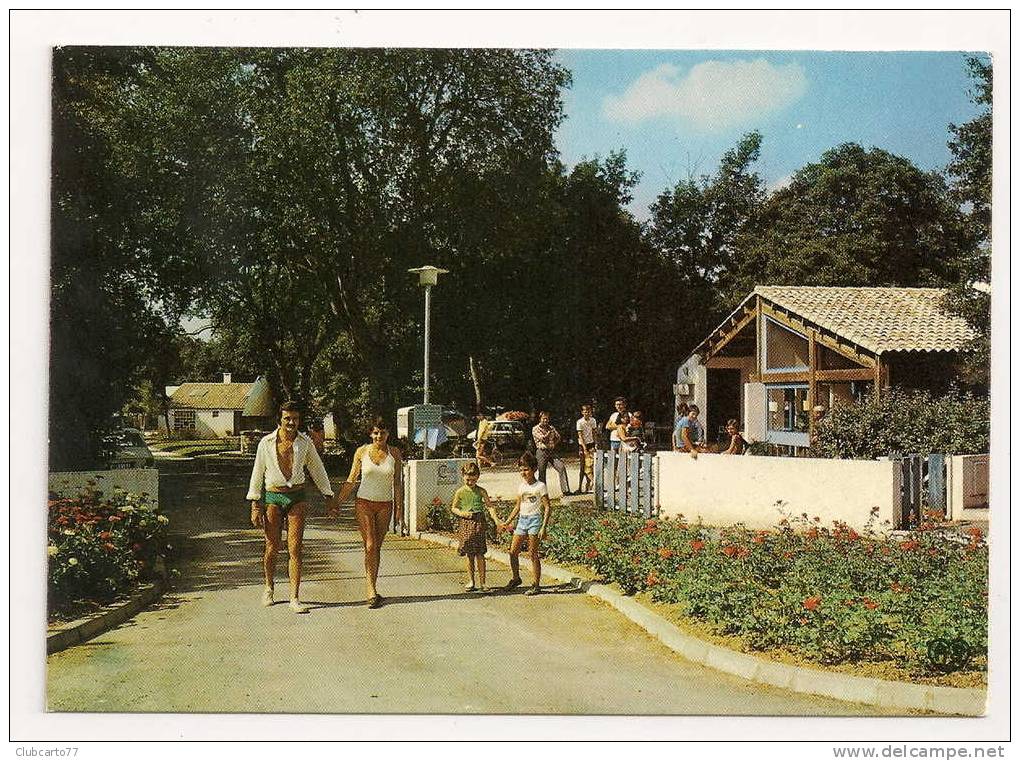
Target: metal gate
[(625, 482), (922, 486)]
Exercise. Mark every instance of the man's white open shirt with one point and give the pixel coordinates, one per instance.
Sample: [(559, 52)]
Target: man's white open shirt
[(267, 467)]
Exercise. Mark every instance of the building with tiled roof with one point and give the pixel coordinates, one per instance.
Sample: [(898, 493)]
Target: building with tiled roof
[(215, 410), (787, 354)]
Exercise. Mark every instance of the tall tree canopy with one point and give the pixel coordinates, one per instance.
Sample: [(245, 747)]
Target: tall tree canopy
[(970, 177), (293, 188), (112, 303), (856, 217)]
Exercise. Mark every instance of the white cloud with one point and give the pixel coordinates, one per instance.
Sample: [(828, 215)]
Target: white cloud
[(711, 95)]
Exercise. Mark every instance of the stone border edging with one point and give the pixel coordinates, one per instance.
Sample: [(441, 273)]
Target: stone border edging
[(82, 630), (854, 689)]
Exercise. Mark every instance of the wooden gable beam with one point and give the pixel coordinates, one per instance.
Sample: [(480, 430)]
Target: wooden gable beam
[(827, 341), (736, 325)]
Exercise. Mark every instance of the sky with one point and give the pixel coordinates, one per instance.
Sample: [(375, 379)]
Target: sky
[(676, 112)]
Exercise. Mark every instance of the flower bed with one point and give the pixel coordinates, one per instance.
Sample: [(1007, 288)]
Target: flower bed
[(100, 547), (828, 595)]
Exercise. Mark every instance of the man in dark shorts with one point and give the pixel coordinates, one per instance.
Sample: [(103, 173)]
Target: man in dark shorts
[(280, 462)]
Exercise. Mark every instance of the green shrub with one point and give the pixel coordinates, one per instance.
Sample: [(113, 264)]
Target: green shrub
[(100, 546), (904, 421), (832, 594)]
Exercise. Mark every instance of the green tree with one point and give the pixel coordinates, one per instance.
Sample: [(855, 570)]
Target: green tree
[(856, 218), (109, 307), (700, 223), (301, 185), (970, 177)]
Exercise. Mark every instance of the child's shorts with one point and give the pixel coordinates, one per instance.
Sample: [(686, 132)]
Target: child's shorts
[(528, 525)]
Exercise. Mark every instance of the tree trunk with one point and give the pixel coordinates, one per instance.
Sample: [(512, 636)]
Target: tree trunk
[(473, 369)]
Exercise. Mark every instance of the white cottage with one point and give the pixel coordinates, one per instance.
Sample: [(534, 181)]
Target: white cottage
[(217, 410), (787, 354)]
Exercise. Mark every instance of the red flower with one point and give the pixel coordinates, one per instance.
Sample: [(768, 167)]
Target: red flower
[(852, 535), (729, 550), (697, 545), (665, 553), (759, 538), (114, 518), (909, 545), (652, 579), (743, 552), (787, 556), (803, 622), (591, 554), (104, 535), (62, 520), (812, 533), (651, 523), (975, 532), (869, 603), (109, 547), (812, 603)]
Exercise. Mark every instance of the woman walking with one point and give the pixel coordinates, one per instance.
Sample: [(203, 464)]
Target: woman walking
[(377, 466)]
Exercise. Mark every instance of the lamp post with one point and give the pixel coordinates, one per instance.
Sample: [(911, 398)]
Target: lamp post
[(428, 276)]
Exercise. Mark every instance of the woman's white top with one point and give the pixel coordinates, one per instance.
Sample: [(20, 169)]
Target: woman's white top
[(376, 480), (267, 467)]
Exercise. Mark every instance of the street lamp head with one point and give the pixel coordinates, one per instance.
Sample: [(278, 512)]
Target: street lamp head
[(428, 275)]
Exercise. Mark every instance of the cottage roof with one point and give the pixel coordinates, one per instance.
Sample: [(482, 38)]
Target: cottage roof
[(211, 396), (876, 319)]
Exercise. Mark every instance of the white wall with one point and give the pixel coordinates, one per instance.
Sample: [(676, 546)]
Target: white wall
[(755, 428), (207, 426), (723, 490), (967, 487), (424, 480)]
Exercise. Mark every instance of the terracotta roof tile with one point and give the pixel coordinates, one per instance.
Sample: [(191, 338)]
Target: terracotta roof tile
[(211, 396), (877, 319)]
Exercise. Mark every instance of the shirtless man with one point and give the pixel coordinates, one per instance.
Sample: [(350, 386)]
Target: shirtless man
[(280, 463)]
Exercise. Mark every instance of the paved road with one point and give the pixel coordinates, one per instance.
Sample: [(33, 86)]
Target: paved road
[(209, 646)]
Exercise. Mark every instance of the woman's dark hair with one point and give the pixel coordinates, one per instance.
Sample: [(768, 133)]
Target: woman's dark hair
[(527, 459), (378, 421), (734, 422)]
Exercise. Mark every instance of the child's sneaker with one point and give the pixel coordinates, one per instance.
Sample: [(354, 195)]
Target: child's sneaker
[(267, 597), (469, 587), (533, 590), (298, 607)]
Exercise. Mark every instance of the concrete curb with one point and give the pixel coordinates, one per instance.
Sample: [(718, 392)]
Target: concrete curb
[(854, 689), (84, 629)]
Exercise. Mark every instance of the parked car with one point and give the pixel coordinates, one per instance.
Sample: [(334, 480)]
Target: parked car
[(506, 434), (126, 448)]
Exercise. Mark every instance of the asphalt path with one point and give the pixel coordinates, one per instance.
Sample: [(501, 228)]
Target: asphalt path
[(209, 646)]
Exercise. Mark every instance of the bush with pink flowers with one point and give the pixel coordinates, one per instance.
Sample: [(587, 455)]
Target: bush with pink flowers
[(100, 546)]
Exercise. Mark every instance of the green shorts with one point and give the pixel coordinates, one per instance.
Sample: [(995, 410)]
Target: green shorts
[(285, 501)]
